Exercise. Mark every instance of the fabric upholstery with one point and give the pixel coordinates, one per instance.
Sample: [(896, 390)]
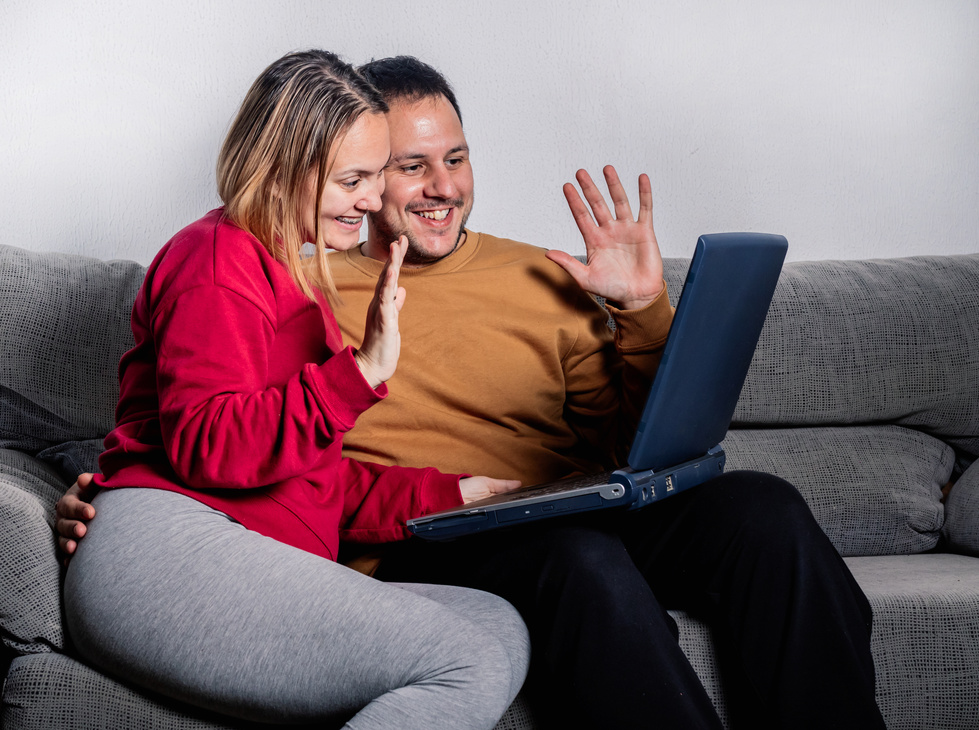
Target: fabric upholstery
[(30, 576), (65, 325), (962, 513), (925, 638), (88, 700), (697, 642), (875, 490), (45, 691), (858, 342)]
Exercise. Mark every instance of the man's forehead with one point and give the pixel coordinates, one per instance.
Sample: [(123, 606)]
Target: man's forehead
[(425, 127)]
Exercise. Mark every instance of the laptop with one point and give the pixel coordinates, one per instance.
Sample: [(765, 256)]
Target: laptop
[(719, 317)]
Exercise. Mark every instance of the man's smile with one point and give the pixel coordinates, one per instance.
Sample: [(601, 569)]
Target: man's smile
[(435, 215)]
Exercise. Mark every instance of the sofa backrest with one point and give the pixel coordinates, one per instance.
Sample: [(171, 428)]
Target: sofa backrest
[(863, 342), (64, 329)]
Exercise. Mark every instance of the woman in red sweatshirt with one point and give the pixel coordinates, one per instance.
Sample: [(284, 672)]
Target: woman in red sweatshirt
[(233, 404)]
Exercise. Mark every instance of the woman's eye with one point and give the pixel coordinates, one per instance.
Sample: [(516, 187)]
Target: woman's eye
[(350, 184)]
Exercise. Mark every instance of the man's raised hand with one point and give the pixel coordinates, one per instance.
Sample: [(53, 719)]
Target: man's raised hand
[(624, 262)]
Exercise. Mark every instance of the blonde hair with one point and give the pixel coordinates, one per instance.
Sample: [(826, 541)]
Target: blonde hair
[(291, 119)]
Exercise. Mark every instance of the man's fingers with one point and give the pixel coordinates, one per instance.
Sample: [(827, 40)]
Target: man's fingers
[(580, 212), (70, 529), (645, 201), (71, 507), (594, 197), (577, 270), (623, 210), (84, 481)]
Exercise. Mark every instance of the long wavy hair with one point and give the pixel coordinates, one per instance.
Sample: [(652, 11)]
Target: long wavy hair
[(289, 124)]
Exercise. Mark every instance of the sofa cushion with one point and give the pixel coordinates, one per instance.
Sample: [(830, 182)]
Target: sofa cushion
[(961, 529), (857, 342), (45, 691), (875, 490), (64, 329), (54, 691), (30, 576), (925, 638)]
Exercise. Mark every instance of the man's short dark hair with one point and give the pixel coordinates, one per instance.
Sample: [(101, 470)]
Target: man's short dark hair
[(405, 78)]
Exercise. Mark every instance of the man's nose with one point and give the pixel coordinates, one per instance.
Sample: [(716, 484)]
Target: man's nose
[(441, 184)]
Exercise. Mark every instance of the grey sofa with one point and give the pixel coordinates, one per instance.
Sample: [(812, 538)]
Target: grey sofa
[(864, 393)]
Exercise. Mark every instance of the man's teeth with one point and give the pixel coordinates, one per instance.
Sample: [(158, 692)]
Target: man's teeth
[(435, 215)]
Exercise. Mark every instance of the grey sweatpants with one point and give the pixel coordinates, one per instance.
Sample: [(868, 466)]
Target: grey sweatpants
[(176, 597)]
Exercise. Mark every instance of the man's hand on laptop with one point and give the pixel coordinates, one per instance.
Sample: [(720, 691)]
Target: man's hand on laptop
[(624, 262), (73, 512), (474, 488)]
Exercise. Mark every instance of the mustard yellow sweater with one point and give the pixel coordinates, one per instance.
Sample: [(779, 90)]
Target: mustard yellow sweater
[(507, 368)]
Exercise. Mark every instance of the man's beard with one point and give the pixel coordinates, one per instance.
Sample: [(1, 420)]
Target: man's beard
[(416, 254)]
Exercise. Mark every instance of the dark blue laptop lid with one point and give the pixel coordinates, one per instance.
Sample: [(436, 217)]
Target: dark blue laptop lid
[(719, 316)]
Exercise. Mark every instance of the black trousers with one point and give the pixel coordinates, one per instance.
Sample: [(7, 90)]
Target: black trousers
[(742, 551)]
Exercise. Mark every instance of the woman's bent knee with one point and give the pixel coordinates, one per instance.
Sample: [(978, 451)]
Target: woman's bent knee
[(485, 650)]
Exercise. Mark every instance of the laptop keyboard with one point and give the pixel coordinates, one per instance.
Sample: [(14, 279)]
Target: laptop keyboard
[(563, 485)]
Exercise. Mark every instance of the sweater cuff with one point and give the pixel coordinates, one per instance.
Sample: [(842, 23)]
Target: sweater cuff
[(342, 389), (640, 329), (438, 492)]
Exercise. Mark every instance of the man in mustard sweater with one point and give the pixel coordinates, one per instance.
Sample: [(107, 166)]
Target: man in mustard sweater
[(508, 368)]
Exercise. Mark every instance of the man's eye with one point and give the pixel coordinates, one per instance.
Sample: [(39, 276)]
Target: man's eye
[(411, 168), (453, 162)]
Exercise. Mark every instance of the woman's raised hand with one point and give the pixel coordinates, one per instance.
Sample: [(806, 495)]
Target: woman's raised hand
[(377, 357)]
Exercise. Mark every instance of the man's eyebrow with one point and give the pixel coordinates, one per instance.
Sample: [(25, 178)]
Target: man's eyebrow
[(397, 159)]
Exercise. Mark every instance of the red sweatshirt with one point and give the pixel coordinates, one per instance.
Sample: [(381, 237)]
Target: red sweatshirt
[(238, 393)]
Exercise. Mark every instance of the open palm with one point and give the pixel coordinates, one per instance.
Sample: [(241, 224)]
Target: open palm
[(624, 264)]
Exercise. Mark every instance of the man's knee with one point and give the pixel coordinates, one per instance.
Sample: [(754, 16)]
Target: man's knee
[(763, 507), (749, 492)]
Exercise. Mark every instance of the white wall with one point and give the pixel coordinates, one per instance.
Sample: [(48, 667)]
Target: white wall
[(851, 127)]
